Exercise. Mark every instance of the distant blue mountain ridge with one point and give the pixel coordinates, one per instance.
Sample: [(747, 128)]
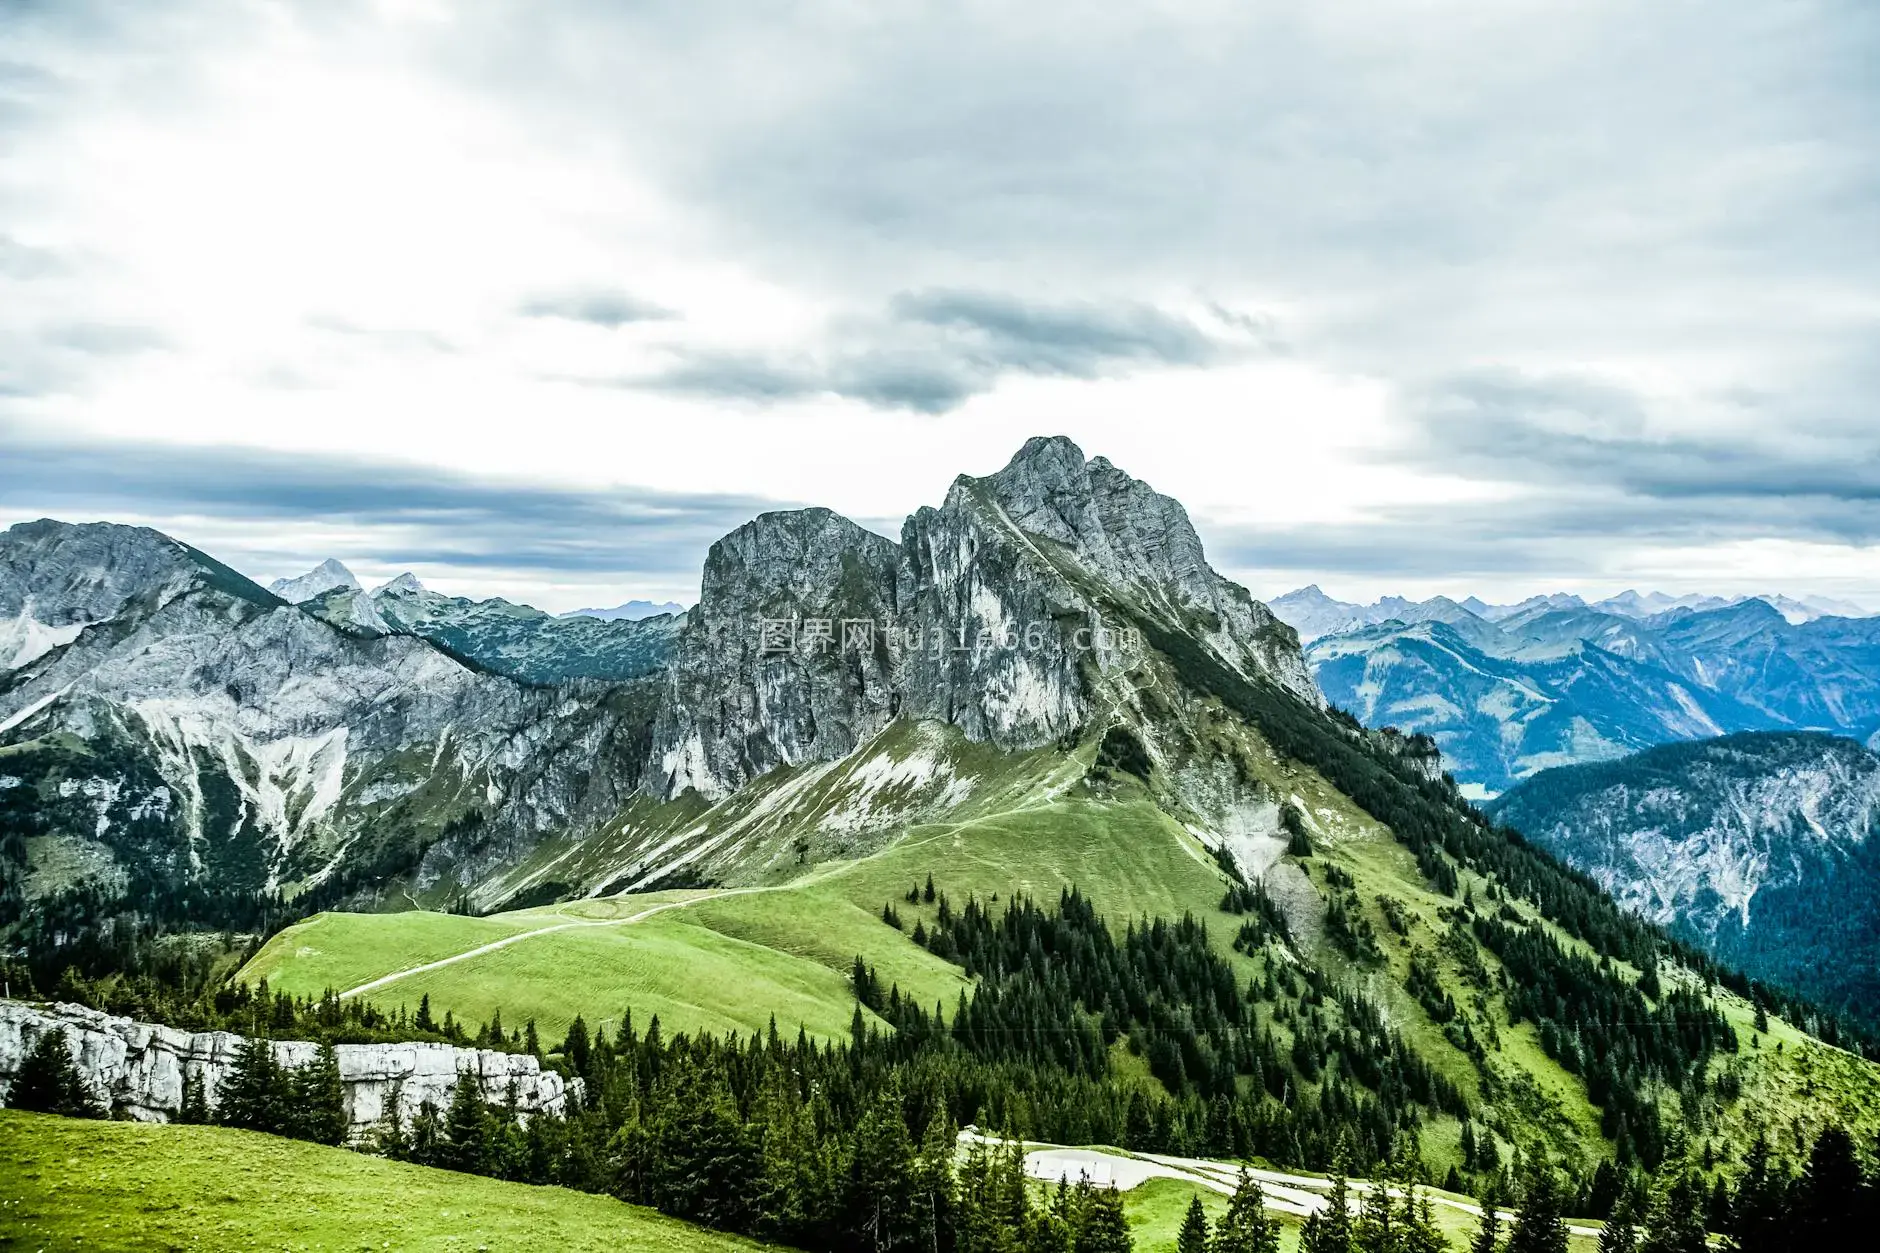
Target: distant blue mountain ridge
[(1507, 691)]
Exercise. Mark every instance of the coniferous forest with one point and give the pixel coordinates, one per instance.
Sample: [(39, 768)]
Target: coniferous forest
[(856, 1144)]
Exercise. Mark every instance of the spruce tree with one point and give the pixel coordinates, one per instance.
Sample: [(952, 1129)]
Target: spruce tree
[(1677, 1217), (1758, 1212), (1539, 1228), (194, 1110), (1621, 1231), (320, 1114), (1246, 1227), (880, 1198), (1332, 1233), (1831, 1194), (1488, 1233), (1377, 1221), (1416, 1224), (427, 1137), (467, 1126), (1102, 1226), (388, 1136), (48, 1082), (256, 1095), (1194, 1232)]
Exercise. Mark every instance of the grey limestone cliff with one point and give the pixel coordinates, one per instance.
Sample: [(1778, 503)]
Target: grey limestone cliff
[(137, 1069)]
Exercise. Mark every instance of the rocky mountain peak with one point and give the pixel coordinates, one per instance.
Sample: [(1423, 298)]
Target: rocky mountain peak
[(325, 577), (405, 584), (797, 561), (56, 578), (1000, 612)]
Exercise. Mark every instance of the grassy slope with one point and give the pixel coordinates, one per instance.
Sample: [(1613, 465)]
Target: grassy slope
[(729, 959), (102, 1185)]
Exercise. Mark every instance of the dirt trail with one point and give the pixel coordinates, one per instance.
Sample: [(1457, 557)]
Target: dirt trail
[(928, 834)]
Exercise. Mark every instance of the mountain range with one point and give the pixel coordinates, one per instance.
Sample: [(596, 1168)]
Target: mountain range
[(1041, 686), (1764, 847), (1510, 690)]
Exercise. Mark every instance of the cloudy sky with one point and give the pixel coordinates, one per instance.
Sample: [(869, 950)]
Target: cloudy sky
[(538, 299)]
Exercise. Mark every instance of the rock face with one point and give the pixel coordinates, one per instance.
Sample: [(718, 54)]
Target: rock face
[(1007, 612), (1764, 847), (519, 641), (172, 721), (248, 745), (328, 576), (138, 1068)]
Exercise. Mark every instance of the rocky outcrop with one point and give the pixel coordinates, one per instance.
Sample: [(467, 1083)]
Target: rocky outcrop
[(281, 743), (1011, 611), (137, 1069), (753, 683), (1763, 847)]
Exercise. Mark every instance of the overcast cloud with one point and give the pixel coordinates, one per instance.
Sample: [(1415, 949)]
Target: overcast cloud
[(1405, 297)]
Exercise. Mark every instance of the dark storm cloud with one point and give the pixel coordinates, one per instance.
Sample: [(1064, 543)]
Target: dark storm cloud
[(601, 308), (929, 351), (431, 517)]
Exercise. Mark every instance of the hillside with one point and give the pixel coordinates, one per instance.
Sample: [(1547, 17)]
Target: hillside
[(1761, 847), (1081, 734), (105, 1185)]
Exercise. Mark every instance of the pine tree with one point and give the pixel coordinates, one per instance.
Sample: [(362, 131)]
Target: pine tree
[(320, 1108), (1102, 1226), (1538, 1228), (1488, 1233), (1194, 1232), (424, 1022), (1246, 1227), (49, 1083), (467, 1126)]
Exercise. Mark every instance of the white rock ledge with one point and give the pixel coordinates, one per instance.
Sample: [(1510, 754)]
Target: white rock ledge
[(137, 1068)]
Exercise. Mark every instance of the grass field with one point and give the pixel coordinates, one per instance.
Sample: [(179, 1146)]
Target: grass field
[(102, 1185), (703, 962), (729, 960)]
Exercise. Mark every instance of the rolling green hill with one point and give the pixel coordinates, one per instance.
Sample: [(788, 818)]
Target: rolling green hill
[(729, 958), (100, 1185)]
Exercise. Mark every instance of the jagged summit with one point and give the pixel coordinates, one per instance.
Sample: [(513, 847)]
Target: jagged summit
[(325, 577), (1013, 611), (405, 584)]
